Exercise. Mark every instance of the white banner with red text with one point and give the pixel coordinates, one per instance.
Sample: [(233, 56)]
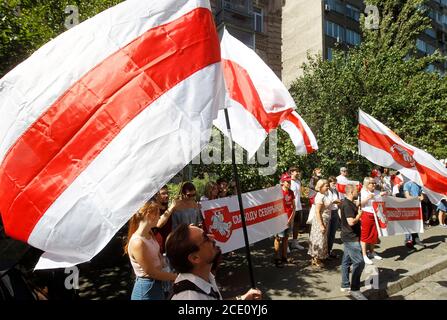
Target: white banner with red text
[(396, 216), (264, 216)]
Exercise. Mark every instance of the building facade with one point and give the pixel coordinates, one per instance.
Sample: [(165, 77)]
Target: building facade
[(257, 23), (318, 26)]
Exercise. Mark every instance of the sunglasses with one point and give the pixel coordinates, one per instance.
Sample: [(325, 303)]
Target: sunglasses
[(205, 239), (191, 195)]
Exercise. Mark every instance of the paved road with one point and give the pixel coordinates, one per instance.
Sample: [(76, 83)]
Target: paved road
[(431, 288)]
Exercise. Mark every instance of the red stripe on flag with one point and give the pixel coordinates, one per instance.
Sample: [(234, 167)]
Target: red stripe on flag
[(430, 178), (241, 89), (403, 214), (341, 188), (297, 122), (49, 156)]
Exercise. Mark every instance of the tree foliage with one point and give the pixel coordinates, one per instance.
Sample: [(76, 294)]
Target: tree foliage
[(385, 77)]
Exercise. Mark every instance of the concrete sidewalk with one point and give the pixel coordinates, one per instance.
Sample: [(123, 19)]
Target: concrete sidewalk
[(399, 269)]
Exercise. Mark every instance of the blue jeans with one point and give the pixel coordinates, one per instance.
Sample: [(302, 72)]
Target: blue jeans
[(411, 237), (333, 226), (147, 289), (352, 255)]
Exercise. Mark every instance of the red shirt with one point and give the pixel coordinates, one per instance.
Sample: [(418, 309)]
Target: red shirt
[(288, 200)]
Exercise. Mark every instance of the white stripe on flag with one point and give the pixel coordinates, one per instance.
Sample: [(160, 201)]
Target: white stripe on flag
[(49, 74), (241, 121), (152, 148)]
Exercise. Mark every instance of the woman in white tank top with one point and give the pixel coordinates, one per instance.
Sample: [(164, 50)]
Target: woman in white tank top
[(144, 255)]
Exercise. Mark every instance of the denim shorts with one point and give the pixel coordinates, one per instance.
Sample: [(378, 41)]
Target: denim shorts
[(147, 289), (284, 234), (442, 207)]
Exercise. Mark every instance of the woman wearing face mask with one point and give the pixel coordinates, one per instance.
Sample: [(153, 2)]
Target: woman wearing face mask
[(144, 254)]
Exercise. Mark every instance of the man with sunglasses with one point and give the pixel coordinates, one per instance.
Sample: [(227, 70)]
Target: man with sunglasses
[(192, 253)]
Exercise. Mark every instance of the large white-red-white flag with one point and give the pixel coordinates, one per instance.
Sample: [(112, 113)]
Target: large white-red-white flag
[(383, 147), (264, 213), (257, 101), (95, 121)]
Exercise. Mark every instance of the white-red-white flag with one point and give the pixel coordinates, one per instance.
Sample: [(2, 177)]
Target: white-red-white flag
[(257, 101), (341, 184), (98, 119), (383, 147)]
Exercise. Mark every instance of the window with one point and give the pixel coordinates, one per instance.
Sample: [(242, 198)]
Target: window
[(425, 47), (335, 5), (258, 20), (353, 12), (430, 68), (352, 37), (442, 2), (245, 37), (238, 5), (335, 31), (329, 54), (430, 32)]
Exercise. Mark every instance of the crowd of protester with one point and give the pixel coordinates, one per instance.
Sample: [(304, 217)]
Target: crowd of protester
[(174, 257)]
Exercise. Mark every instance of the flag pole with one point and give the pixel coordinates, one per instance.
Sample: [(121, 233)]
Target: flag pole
[(239, 197)]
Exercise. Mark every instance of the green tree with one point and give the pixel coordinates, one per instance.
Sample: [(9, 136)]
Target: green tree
[(385, 77)]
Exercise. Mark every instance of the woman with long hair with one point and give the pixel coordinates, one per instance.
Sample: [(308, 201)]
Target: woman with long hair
[(211, 191), (144, 254), (318, 244), (186, 209), (369, 235)]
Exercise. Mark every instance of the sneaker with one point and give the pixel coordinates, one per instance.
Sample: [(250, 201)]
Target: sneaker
[(345, 289), (444, 226), (409, 244), (278, 263), (286, 261), (367, 260), (376, 256), (419, 242), (333, 255), (295, 245), (357, 295)]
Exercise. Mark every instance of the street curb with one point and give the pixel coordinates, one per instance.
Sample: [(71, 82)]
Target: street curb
[(410, 279)]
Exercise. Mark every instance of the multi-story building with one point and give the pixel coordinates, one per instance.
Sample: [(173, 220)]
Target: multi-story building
[(257, 23), (318, 26)]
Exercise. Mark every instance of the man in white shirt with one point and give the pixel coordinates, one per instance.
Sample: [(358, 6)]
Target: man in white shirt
[(191, 253), (342, 181), (296, 189)]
